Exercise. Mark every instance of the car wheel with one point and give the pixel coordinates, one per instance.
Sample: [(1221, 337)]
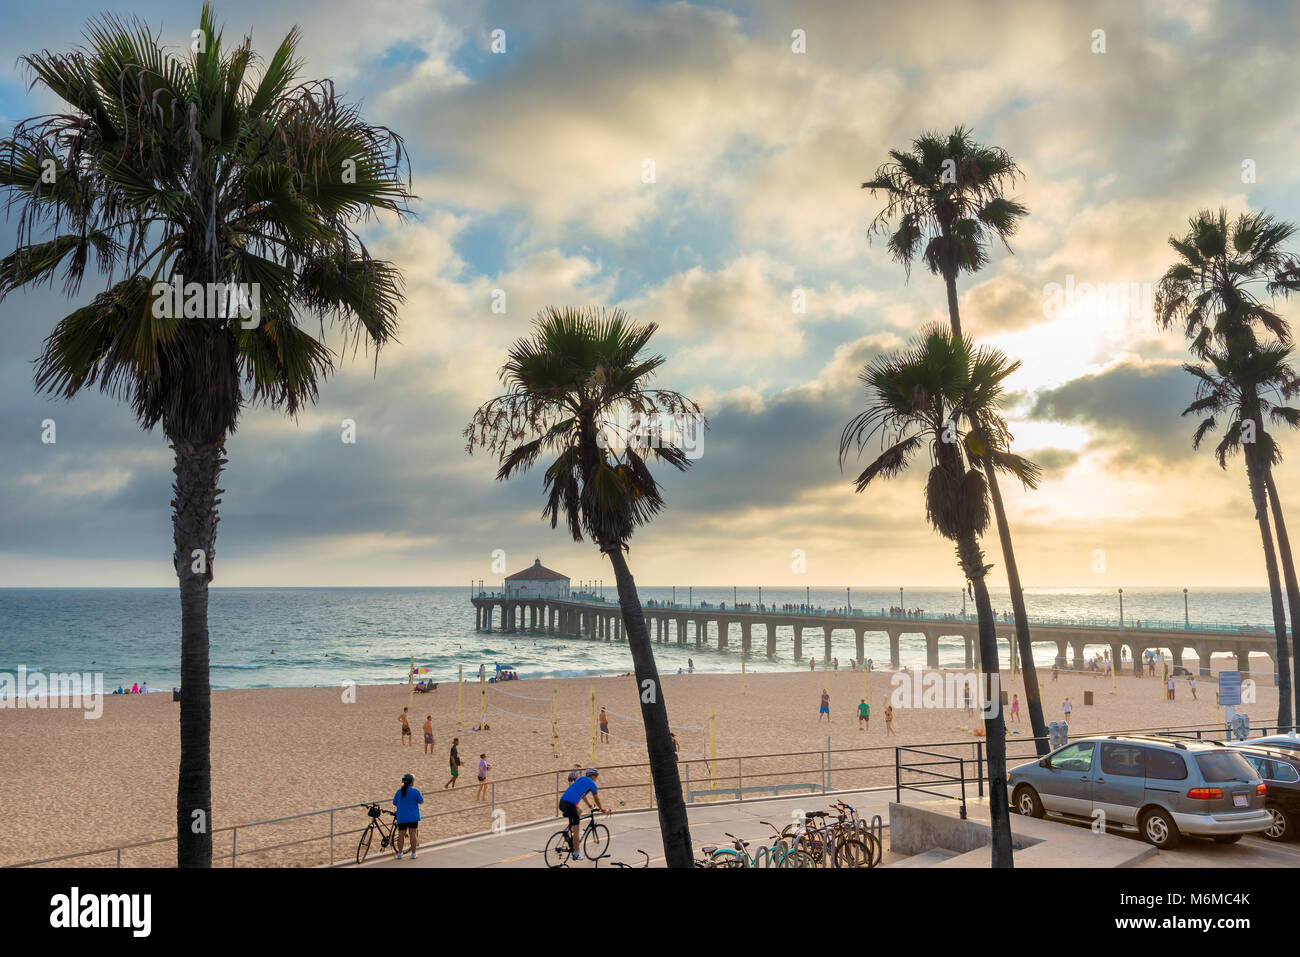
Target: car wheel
[(1281, 829), (1227, 839), (1027, 802), (1158, 828)]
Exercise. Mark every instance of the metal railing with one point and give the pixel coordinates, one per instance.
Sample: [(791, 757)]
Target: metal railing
[(822, 771)]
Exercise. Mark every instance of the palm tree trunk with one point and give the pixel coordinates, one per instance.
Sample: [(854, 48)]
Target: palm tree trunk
[(1033, 699), (1258, 496), (1288, 570), (194, 531), (954, 314), (673, 824), (972, 562)]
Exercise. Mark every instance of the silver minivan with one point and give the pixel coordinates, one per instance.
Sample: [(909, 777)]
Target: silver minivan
[(1162, 787)]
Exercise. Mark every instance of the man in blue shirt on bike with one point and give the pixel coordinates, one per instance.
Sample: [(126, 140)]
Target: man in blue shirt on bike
[(568, 806)]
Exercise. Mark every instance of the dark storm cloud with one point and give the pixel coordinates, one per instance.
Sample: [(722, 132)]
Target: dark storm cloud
[(1134, 410)]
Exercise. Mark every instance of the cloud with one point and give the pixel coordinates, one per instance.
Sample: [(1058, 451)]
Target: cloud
[(1134, 411)]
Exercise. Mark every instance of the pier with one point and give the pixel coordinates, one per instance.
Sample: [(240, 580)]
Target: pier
[(717, 626)]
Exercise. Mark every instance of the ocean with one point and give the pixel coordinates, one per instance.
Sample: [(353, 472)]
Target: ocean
[(305, 637)]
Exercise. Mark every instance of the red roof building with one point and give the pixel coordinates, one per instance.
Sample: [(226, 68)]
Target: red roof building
[(537, 581)]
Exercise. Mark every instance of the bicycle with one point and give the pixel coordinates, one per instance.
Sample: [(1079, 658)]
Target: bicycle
[(387, 832), (594, 839), (737, 856), (634, 866)]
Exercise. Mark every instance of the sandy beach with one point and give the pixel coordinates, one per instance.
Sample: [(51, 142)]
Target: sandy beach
[(72, 784)]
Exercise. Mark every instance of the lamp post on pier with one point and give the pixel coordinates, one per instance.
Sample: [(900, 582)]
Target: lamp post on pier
[(1187, 622), (848, 599), (1121, 608)]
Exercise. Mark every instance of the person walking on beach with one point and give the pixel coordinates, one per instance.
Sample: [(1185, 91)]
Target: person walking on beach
[(407, 801), (1170, 687), (604, 727), (1015, 708), (676, 747), (428, 734), (812, 664), (690, 666), (1055, 672), (454, 762), (483, 769), (406, 727), (1191, 683), (1067, 708), (864, 715), (825, 709), (889, 720)]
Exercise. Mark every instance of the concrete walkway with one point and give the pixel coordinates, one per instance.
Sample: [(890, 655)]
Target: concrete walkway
[(632, 830)]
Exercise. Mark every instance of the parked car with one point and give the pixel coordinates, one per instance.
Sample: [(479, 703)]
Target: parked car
[(1164, 788), (1280, 770), (1285, 742)]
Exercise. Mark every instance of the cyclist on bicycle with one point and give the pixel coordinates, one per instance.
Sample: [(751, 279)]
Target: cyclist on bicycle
[(568, 806)]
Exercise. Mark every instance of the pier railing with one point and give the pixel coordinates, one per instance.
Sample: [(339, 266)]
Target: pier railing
[(1246, 629)]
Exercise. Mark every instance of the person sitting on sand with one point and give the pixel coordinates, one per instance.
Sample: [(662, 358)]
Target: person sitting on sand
[(825, 708), (864, 715), (428, 734), (453, 761), (407, 801), (604, 727), (483, 769), (135, 689), (144, 688), (406, 726)]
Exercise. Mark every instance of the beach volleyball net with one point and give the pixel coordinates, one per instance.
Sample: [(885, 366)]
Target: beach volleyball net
[(691, 740)]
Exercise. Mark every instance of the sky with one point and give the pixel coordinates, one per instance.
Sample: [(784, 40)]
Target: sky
[(530, 164)]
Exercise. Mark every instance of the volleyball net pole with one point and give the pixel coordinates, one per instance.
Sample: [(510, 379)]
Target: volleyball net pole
[(460, 692), (592, 689)]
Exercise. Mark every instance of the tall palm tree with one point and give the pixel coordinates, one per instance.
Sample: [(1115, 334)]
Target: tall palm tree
[(577, 388), (923, 398), (193, 169), (1240, 383), (1213, 295), (945, 203)]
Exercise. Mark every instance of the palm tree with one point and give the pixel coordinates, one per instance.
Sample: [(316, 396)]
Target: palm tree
[(920, 399), (577, 389), (1212, 293), (1239, 382), (193, 170), (946, 197)]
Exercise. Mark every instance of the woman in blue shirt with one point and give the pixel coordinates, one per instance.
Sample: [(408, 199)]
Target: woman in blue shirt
[(407, 801)]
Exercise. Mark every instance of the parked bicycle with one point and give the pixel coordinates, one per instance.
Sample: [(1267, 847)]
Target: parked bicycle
[(594, 839), (779, 854), (644, 864), (387, 832)]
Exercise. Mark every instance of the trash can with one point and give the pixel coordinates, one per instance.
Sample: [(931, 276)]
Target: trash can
[(1004, 699), (176, 694), (1087, 697)]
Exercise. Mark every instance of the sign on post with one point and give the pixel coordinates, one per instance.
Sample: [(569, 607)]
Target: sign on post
[(1229, 688)]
